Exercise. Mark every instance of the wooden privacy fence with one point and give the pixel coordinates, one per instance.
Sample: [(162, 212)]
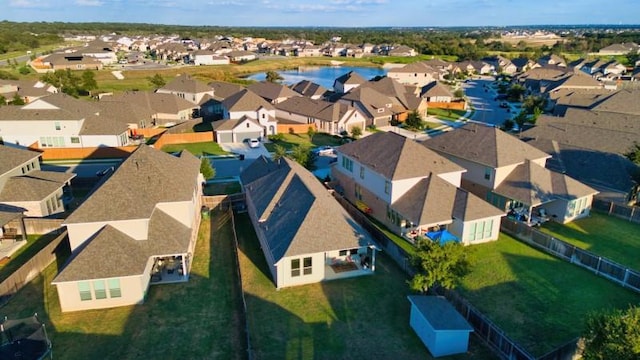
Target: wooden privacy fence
[(37, 225), (236, 201), (168, 139), (602, 266), (630, 213), (103, 152), (30, 270), (484, 328)]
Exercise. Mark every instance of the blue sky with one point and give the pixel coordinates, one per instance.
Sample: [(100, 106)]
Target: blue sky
[(350, 13)]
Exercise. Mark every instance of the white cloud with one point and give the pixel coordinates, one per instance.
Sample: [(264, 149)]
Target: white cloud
[(89, 3), (30, 3)]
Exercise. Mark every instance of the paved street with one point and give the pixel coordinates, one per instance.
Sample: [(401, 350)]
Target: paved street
[(487, 110)]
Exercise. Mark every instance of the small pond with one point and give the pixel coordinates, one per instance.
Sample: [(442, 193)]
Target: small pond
[(323, 75)]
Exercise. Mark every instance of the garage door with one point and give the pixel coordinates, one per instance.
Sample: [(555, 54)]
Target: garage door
[(242, 136), (224, 137)]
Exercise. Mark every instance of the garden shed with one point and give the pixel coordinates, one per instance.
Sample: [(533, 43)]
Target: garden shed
[(440, 327)]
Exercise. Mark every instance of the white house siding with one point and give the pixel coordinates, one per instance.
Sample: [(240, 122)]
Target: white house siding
[(400, 187), (453, 178), (27, 132), (374, 182), (79, 233), (419, 79), (285, 278), (103, 140), (351, 119), (182, 211), (210, 60), (131, 289), (21, 169), (563, 211), (285, 115), (479, 231)]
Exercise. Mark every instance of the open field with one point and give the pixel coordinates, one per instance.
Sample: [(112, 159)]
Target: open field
[(529, 40), (364, 317), (195, 320), (603, 235), (538, 300)]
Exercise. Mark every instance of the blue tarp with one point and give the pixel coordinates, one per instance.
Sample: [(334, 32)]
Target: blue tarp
[(442, 236)]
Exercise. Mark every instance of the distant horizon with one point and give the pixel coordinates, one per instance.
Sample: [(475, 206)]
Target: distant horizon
[(328, 13)]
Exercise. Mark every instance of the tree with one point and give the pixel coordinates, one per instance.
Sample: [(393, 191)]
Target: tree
[(65, 80), (24, 70), (3, 100), (88, 81), (516, 92), (17, 100), (356, 132), (438, 265), (156, 81), (273, 76), (303, 156), (279, 152), (459, 93), (414, 121), (613, 335), (634, 153), (311, 131), (206, 169)]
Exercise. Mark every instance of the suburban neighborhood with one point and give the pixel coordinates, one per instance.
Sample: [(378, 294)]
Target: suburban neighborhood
[(447, 208)]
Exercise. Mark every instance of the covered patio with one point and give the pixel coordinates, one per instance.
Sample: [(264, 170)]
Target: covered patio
[(169, 269), (352, 263)]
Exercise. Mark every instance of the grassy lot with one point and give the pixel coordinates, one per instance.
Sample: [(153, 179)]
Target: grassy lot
[(291, 140), (604, 235), (34, 244), (199, 148), (195, 320), (222, 188), (365, 317), (444, 114), (538, 300)]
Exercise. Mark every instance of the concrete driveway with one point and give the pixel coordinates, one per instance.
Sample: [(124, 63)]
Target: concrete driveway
[(487, 110), (244, 149)]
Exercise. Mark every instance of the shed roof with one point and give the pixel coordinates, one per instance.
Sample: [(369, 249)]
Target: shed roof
[(439, 313)]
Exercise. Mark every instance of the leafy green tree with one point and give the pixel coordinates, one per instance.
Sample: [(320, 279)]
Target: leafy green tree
[(3, 100), (279, 152), (273, 76), (88, 81), (65, 80), (459, 93), (414, 121), (5, 75), (613, 335), (17, 100), (356, 132), (438, 265), (311, 131), (206, 169), (303, 156), (634, 153), (24, 70), (516, 92), (530, 103), (156, 81)]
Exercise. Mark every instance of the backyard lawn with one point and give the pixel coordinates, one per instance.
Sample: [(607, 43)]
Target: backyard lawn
[(364, 317), (199, 148), (200, 319), (222, 188), (34, 244), (444, 114), (538, 300), (290, 140), (607, 236)]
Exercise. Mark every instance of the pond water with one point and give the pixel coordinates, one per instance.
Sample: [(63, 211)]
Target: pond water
[(323, 75)]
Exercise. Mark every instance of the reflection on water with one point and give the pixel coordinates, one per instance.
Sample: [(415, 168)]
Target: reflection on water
[(323, 75)]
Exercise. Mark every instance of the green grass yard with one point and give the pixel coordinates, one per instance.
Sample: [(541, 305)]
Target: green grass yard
[(444, 114), (195, 320), (607, 236), (34, 244), (538, 300), (199, 148), (364, 317), (291, 140), (222, 188)]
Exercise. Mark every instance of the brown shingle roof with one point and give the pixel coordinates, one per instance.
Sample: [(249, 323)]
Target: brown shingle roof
[(155, 102), (58, 107), (186, 84), (308, 88), (435, 89), (11, 157), (271, 91), (623, 101), (146, 178), (485, 145), (222, 90), (351, 77), (33, 186), (245, 100), (396, 157)]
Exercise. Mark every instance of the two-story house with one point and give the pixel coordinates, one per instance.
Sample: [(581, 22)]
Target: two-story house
[(410, 190), (306, 236), (511, 174), (417, 74), (138, 228), (246, 116), (186, 87), (328, 117)]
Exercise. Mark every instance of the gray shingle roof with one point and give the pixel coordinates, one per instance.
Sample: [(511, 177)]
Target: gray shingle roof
[(319, 109), (351, 77), (154, 102), (298, 215), (230, 124), (533, 184), (7, 216), (623, 101), (111, 253), (308, 88), (186, 84), (145, 178), (271, 91), (11, 157), (245, 100), (435, 88), (484, 145), (59, 107), (439, 313), (222, 90), (396, 157), (33, 186)]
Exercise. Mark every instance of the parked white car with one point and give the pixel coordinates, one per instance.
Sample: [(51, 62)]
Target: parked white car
[(254, 143)]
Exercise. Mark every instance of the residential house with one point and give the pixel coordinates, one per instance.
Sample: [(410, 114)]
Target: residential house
[(211, 106), (60, 120), (435, 92), (308, 50), (501, 64), (511, 174), (376, 107), (247, 104), (404, 99), (207, 57), (172, 51), (310, 89), (578, 99), (620, 49), (186, 87), (571, 80), (328, 117), (348, 81), (27, 90), (101, 51), (64, 61), (470, 67), (604, 67), (552, 59), (523, 64), (401, 50), (24, 186), (418, 74), (272, 92), (241, 56), (128, 235), (411, 189), (305, 235), (165, 109), (534, 78)]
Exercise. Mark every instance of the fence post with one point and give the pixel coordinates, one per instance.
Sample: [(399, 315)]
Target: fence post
[(610, 207), (631, 216), (626, 277), (598, 266)]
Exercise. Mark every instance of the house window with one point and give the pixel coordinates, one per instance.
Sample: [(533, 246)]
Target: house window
[(306, 263), (99, 289), (487, 173), (75, 140), (85, 290), (295, 267), (358, 192), (263, 116), (247, 125), (343, 252), (361, 172), (114, 288), (57, 125), (387, 187), (347, 163)]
